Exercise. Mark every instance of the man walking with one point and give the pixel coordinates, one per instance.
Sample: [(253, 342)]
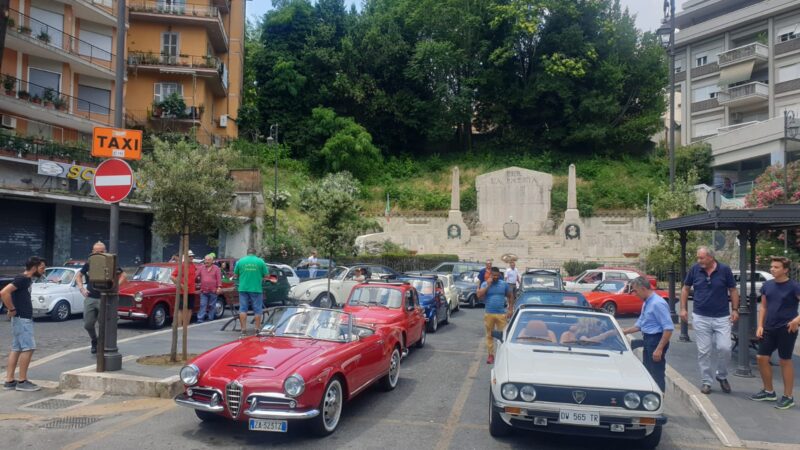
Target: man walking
[(778, 322), (495, 293), (210, 287), (712, 315), (16, 297), (656, 326), (313, 264), (91, 300), (251, 271), (512, 276)]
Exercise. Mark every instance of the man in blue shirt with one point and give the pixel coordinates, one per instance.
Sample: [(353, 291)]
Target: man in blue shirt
[(656, 326), (495, 293), (778, 322), (712, 315)]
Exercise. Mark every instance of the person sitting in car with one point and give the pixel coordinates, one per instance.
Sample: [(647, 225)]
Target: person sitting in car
[(586, 329), (358, 275)]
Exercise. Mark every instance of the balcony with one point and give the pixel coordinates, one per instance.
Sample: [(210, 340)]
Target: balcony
[(34, 148), (31, 100), (751, 52), (188, 15), (98, 11), (746, 94), (209, 68), (223, 5), (36, 38)]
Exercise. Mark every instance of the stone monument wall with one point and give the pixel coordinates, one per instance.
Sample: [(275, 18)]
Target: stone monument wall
[(513, 195)]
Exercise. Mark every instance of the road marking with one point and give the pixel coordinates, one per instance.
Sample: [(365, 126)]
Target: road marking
[(458, 405), (769, 445), (95, 437)]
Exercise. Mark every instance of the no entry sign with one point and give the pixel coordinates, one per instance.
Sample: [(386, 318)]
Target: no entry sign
[(113, 180)]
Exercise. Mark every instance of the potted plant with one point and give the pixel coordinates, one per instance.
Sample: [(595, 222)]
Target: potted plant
[(8, 84), (43, 36), (158, 111), (24, 95), (48, 97), (24, 30), (60, 103), (173, 106), (10, 23), (36, 99)]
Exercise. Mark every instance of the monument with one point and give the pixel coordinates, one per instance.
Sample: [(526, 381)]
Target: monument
[(456, 228), (572, 218), (513, 195)]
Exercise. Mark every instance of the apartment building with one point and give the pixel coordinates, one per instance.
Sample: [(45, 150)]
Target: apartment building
[(738, 61)]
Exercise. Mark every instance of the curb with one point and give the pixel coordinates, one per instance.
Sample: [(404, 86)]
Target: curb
[(115, 383)]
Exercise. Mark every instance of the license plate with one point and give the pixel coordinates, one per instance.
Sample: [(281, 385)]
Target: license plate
[(275, 426), (579, 417)]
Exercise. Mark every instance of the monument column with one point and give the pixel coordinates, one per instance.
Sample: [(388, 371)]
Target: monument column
[(455, 191), (456, 232), (572, 214)]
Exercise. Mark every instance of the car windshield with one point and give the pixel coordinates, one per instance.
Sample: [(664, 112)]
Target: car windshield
[(424, 287), (468, 276), (610, 286), (308, 323), (540, 280), (567, 329), (551, 298), (376, 295), (153, 273), (337, 273), (57, 275), (589, 277)]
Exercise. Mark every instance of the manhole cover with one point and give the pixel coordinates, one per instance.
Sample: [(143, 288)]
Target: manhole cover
[(67, 423), (53, 403)]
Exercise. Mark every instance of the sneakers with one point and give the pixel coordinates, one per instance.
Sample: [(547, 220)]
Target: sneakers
[(764, 396), (10, 385), (94, 346), (490, 359), (723, 383), (706, 389), (785, 402), (27, 386)]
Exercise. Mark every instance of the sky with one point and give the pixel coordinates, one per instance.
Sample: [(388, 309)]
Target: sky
[(648, 12)]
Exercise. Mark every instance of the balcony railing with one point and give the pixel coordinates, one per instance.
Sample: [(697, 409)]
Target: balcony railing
[(57, 40), (753, 50), (746, 93), (161, 7), (735, 126), (137, 58), (47, 97), (34, 148)]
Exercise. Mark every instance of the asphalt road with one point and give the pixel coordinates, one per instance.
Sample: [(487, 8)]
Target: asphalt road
[(441, 403)]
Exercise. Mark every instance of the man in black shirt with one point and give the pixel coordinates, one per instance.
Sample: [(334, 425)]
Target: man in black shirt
[(91, 304), (16, 297)]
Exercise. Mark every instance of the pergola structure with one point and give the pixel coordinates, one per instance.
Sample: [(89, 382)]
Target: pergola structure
[(748, 222)]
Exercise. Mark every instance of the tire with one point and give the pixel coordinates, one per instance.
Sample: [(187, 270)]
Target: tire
[(423, 337), (325, 300), (60, 312), (471, 301), (206, 416), (433, 325), (653, 439), (158, 317), (446, 315), (219, 308), (330, 409), (610, 307), (497, 428), (458, 306), (389, 382)]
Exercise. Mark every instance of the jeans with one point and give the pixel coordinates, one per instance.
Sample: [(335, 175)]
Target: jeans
[(656, 369), (208, 302), (248, 300), (493, 322), (312, 272), (91, 311), (708, 332)]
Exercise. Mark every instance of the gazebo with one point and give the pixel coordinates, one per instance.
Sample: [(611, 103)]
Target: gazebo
[(748, 222)]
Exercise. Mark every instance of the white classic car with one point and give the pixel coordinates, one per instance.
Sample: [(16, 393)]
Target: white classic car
[(342, 280), (761, 277), (589, 279), (56, 294), (540, 379)]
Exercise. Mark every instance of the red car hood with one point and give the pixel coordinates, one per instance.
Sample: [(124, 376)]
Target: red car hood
[(132, 287), (374, 314)]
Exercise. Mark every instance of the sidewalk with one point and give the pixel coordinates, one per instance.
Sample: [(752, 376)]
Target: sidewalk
[(736, 419)]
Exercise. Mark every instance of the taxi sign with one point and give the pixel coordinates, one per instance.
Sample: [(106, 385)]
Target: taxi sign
[(117, 143)]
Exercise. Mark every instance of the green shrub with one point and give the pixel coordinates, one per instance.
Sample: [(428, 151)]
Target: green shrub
[(469, 199), (574, 267)]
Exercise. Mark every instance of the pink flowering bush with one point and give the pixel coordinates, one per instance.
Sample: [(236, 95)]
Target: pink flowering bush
[(769, 187)]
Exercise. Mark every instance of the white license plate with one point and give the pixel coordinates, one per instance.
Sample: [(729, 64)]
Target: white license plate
[(275, 426), (579, 417)]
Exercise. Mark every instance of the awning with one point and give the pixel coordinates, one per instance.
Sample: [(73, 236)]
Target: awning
[(735, 73)]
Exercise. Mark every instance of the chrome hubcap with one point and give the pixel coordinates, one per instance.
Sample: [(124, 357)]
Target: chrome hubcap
[(325, 302), (63, 311), (394, 368), (219, 309), (159, 315), (332, 405)]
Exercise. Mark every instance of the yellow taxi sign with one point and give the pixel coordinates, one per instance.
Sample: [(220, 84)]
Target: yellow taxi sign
[(117, 143)]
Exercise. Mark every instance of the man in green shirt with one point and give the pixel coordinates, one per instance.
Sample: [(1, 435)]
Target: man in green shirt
[(251, 271)]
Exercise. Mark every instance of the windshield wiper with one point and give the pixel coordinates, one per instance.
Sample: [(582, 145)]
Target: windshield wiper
[(582, 342)]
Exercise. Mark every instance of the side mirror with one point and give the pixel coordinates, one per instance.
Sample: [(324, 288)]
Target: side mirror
[(497, 335)]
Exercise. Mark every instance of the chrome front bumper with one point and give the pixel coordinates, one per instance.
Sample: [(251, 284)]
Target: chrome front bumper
[(253, 411), (185, 400)]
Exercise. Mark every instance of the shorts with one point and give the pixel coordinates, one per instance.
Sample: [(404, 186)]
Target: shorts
[(190, 301), (780, 339), (251, 300), (23, 335)]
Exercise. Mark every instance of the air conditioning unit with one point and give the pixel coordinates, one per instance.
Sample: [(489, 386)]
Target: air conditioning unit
[(223, 121), (9, 122)]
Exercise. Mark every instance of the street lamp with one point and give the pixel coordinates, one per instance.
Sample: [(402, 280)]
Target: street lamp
[(273, 140), (667, 35)]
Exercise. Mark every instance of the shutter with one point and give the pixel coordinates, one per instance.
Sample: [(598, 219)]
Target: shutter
[(24, 233), (197, 244), (90, 225)]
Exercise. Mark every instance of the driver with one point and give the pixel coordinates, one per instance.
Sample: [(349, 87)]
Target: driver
[(586, 329)]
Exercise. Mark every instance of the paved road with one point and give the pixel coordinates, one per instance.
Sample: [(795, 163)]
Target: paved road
[(441, 402)]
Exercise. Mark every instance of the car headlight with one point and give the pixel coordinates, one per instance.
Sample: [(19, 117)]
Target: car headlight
[(307, 294), (651, 402), (294, 385), (190, 374), (41, 299), (509, 391), (528, 393), (632, 400), (138, 297)]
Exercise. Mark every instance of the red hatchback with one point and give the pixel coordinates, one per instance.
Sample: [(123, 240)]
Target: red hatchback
[(616, 297), (389, 303)]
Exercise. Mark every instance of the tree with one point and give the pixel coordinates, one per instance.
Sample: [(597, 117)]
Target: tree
[(189, 189), (339, 143)]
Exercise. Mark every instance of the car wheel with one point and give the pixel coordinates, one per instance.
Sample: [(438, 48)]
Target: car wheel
[(389, 382), (610, 307), (497, 428), (206, 416), (472, 301), (433, 325), (458, 306), (219, 308), (60, 312), (330, 409), (653, 439), (158, 317), (325, 300), (421, 342), (446, 315)]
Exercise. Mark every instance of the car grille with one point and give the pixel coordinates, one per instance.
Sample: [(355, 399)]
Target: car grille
[(593, 397), (233, 395), (125, 301), (272, 402)]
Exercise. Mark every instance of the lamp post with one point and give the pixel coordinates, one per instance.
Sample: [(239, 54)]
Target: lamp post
[(273, 140), (667, 35)]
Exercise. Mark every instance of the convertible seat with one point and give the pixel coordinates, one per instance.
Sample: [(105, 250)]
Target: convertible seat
[(537, 329)]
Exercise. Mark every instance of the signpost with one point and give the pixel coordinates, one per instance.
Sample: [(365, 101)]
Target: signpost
[(116, 143), (113, 180)]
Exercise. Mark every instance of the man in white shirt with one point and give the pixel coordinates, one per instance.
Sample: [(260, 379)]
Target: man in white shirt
[(313, 265), (512, 275)]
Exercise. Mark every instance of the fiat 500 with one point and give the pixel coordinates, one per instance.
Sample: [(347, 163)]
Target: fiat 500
[(389, 303)]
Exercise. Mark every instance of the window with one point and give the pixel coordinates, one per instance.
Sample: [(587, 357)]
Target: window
[(787, 73), (40, 80), (701, 61), (163, 90), (94, 100), (169, 47), (787, 37), (95, 45), (44, 21), (706, 128), (172, 5), (704, 93), (788, 32)]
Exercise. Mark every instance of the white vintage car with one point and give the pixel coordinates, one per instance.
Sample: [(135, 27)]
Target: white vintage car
[(56, 294), (342, 280), (572, 371)]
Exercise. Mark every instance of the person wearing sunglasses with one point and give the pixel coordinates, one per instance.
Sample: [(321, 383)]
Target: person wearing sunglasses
[(716, 305)]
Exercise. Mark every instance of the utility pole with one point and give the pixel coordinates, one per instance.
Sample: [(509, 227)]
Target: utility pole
[(273, 139)]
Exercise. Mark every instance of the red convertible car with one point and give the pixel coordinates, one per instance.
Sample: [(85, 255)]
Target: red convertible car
[(302, 366), (616, 297), (389, 303)]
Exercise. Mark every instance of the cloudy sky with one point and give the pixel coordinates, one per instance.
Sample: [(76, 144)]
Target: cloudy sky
[(648, 12)]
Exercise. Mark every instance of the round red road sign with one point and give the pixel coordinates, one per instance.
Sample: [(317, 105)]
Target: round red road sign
[(113, 180)]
